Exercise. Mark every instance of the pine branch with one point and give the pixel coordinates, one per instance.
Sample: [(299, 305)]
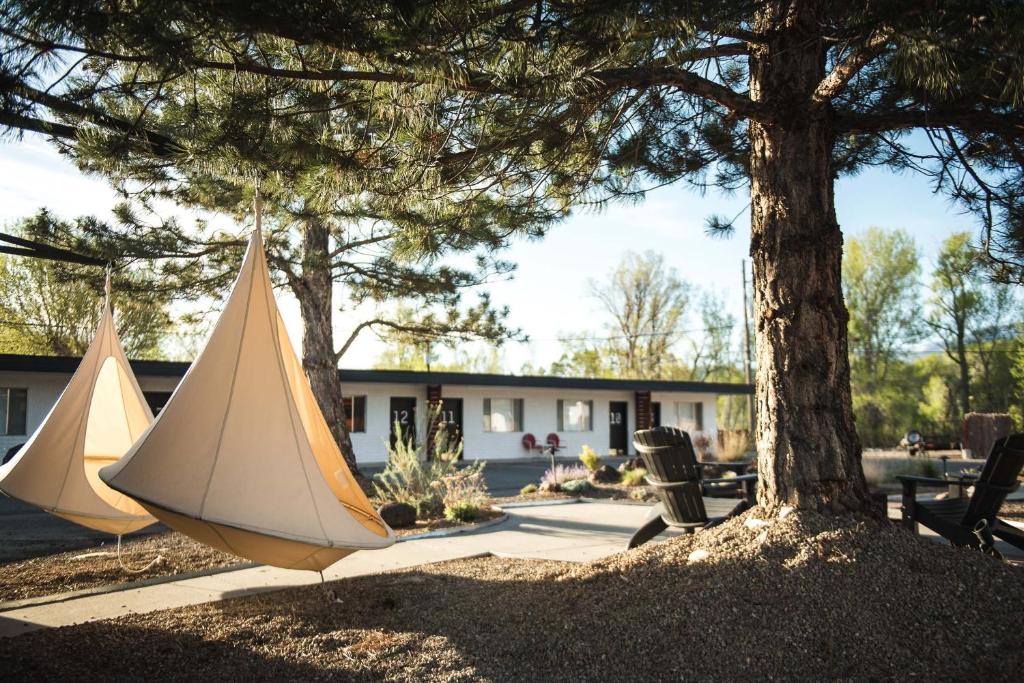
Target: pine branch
[(845, 70), (1010, 124)]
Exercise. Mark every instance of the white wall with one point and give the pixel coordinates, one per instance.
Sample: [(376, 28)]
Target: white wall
[(539, 413)]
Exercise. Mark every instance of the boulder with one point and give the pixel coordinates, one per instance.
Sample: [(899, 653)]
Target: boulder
[(634, 463), (397, 515), (550, 487), (605, 474)]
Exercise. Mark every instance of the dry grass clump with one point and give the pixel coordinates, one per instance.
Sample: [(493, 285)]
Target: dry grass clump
[(801, 598), (734, 444)]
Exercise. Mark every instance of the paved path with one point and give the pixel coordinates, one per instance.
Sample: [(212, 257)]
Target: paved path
[(576, 532), (27, 532)]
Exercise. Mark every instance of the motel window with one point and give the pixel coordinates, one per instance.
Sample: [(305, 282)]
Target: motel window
[(690, 416), (355, 413), (575, 416), (13, 411), (503, 414)]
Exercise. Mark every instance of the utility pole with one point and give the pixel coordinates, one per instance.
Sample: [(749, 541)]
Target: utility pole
[(746, 350)]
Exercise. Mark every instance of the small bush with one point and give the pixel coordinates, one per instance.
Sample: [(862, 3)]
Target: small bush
[(528, 489), (462, 512), (634, 477), (428, 485), (576, 486), (463, 486), (734, 444), (564, 473), (590, 459)]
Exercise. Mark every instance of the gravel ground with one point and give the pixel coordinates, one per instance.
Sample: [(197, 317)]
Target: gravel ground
[(94, 567), (1013, 509), (802, 598)]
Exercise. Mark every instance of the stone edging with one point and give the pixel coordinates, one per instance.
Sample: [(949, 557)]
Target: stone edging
[(455, 530)]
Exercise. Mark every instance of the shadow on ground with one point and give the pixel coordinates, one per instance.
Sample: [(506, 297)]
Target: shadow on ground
[(853, 600)]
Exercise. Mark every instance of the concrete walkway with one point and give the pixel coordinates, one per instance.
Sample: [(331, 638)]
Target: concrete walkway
[(575, 532)]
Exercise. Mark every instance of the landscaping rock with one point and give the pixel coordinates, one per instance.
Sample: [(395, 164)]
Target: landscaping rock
[(635, 463), (397, 515), (576, 486), (549, 487), (605, 474)]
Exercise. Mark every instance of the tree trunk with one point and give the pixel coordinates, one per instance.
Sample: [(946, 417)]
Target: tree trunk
[(965, 369), (314, 292), (809, 455)]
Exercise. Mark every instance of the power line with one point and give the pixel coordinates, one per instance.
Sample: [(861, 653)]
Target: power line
[(644, 335)]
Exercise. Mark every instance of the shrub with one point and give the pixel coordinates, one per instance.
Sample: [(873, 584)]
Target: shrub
[(462, 511), (529, 488), (411, 478), (590, 459), (576, 486), (634, 477), (734, 444), (463, 486), (564, 473)]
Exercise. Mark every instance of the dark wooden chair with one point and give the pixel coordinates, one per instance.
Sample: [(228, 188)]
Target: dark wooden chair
[(968, 521), (675, 474)]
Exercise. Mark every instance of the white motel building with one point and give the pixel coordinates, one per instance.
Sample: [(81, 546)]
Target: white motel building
[(495, 414)]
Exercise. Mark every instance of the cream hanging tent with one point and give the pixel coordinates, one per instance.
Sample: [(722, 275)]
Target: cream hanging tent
[(94, 422), (241, 457)]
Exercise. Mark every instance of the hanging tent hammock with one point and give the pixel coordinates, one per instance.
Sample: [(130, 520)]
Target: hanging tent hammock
[(241, 457), (94, 422)]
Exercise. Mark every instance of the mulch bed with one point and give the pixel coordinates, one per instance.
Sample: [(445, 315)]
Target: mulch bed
[(95, 567), (806, 597)]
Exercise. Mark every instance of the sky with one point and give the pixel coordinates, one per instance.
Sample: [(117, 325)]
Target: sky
[(548, 296)]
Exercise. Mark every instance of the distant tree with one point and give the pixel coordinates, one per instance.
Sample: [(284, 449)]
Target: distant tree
[(50, 308), (647, 303), (710, 356), (880, 284), (969, 313)]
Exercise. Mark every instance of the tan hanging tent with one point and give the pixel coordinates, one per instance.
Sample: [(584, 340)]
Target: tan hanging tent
[(241, 457), (94, 422)]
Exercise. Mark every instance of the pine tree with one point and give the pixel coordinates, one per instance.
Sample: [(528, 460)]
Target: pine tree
[(592, 100)]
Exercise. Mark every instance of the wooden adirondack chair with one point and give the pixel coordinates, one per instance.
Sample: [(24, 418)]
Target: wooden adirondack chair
[(675, 474), (967, 522)]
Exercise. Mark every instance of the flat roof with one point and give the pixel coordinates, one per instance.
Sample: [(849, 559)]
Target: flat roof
[(163, 368)]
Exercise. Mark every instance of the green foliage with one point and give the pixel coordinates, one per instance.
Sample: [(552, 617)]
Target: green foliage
[(462, 512), (590, 459), (634, 477), (53, 308), (428, 484), (528, 489)]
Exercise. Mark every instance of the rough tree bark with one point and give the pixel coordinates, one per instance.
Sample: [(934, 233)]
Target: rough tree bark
[(809, 453), (314, 291)]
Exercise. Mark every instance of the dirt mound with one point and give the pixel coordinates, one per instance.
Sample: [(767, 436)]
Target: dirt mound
[(801, 598)]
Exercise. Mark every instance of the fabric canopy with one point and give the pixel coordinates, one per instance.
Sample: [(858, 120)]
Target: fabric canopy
[(241, 457), (94, 422)]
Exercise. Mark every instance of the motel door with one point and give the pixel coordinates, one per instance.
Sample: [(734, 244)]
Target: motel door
[(618, 432), (451, 419), (403, 412), (655, 414)]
